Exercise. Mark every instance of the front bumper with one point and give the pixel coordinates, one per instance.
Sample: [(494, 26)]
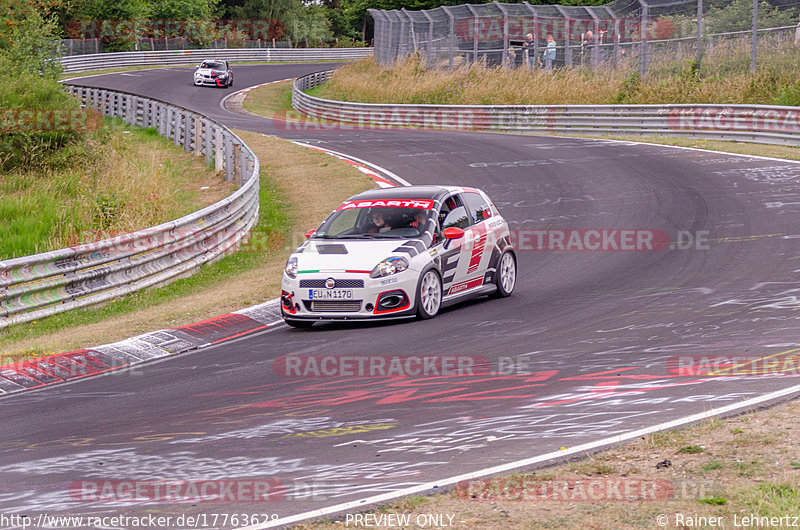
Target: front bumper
[(379, 298), (210, 81)]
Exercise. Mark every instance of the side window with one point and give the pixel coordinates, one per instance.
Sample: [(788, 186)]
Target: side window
[(454, 214), (479, 208)]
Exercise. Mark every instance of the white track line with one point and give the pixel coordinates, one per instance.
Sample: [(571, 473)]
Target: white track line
[(362, 503), (698, 149), (376, 167)]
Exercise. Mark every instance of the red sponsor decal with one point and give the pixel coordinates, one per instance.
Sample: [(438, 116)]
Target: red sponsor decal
[(478, 245), (463, 286), (423, 204)]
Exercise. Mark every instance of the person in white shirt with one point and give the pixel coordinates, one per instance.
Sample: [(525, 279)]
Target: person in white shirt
[(549, 54)]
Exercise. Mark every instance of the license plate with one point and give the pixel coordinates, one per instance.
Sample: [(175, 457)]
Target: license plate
[(330, 294)]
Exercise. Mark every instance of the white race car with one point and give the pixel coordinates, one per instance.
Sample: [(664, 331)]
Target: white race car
[(214, 73), (399, 252)]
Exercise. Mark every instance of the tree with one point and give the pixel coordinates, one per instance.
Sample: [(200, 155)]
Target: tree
[(28, 32), (738, 16)]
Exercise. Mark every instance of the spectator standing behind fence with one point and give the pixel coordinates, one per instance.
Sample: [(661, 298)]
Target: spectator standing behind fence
[(511, 58), (549, 54), (528, 47)]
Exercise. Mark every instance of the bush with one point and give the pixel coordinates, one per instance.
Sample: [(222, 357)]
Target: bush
[(33, 148)]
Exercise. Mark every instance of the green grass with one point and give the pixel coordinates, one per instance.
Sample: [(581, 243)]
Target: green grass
[(270, 100), (772, 499), (60, 203), (714, 501), (272, 217), (722, 79), (712, 465)]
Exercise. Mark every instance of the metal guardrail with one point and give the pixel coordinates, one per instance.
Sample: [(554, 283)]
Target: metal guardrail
[(742, 123), (33, 287), (99, 61)]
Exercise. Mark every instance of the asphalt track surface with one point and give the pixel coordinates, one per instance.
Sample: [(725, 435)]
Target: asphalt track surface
[(594, 334)]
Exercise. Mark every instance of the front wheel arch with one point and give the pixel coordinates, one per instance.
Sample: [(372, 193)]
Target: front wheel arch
[(505, 288), (430, 312)]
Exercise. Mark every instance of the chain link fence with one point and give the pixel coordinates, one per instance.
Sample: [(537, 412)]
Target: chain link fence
[(70, 47), (639, 35)]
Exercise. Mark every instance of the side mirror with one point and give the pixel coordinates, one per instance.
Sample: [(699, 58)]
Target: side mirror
[(310, 233), (453, 233)]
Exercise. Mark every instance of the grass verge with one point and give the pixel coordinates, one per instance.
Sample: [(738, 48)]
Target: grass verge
[(118, 179), (776, 83), (299, 187), (270, 100), (738, 467)]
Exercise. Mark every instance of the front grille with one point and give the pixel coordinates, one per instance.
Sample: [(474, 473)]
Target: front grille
[(336, 305), (340, 284)]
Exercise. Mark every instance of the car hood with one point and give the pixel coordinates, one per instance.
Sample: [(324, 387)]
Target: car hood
[(340, 255), (208, 71)]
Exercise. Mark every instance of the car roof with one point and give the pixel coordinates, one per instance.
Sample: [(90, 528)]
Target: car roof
[(407, 192)]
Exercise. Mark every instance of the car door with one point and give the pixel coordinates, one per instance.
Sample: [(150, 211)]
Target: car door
[(484, 238), (456, 253)]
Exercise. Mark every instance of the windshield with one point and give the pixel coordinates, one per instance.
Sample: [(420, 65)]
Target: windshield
[(212, 65), (381, 222)]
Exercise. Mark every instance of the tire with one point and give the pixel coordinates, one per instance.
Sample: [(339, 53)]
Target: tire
[(506, 275), (429, 295), (299, 324)]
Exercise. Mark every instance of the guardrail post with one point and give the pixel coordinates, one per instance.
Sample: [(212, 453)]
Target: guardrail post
[(218, 149), (198, 130), (177, 125), (237, 165), (208, 141), (162, 120), (186, 128), (133, 102), (227, 154)]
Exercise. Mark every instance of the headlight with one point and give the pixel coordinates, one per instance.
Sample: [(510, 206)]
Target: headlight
[(388, 267), (291, 267)]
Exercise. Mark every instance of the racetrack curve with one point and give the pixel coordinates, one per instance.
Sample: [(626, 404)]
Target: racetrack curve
[(595, 333)]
